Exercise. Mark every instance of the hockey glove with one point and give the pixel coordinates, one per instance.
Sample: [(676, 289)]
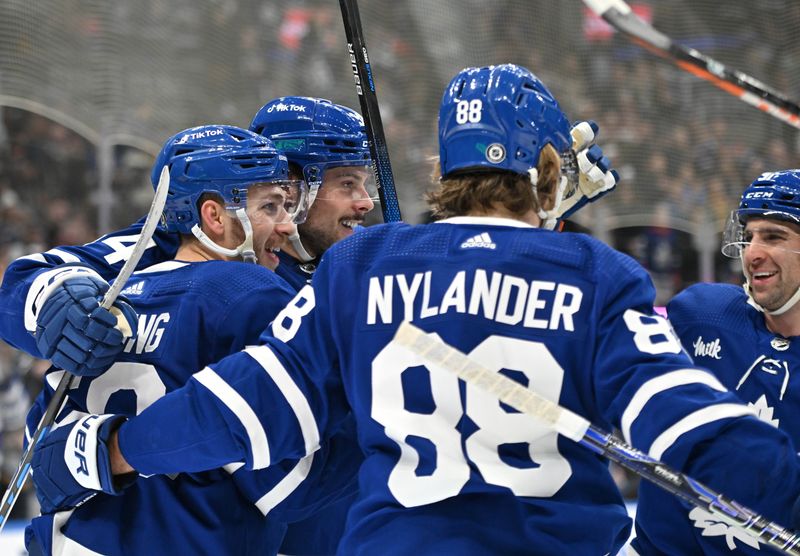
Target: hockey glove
[(595, 175), (71, 464), (73, 331)]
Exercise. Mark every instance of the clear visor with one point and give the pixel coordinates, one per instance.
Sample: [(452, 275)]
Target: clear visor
[(348, 182), (275, 201), (770, 231)]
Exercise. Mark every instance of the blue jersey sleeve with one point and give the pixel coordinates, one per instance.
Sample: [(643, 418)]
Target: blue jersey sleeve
[(105, 255), (260, 406)]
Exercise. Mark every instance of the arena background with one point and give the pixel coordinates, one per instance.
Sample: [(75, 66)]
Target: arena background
[(89, 89)]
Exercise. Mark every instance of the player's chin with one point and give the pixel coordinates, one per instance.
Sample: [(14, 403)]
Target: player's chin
[(269, 259)]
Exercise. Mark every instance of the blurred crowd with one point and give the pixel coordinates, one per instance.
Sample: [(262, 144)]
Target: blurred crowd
[(685, 150)]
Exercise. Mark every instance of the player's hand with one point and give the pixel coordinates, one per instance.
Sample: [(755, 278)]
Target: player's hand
[(595, 175), (71, 464), (74, 332)]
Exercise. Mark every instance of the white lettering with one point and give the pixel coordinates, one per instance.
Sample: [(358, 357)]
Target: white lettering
[(380, 299), (503, 298), (707, 349)]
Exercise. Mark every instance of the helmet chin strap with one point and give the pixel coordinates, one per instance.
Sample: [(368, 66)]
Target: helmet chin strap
[(297, 245), (777, 312), (245, 250), (549, 217), (294, 239), (791, 302)]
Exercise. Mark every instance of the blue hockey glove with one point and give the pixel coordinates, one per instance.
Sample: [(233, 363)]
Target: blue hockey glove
[(73, 331), (595, 175), (71, 464)]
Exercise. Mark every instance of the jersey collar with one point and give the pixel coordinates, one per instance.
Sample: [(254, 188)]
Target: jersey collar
[(485, 220)]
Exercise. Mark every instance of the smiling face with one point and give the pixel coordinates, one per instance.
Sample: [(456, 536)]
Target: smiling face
[(343, 200), (268, 209), (771, 261)]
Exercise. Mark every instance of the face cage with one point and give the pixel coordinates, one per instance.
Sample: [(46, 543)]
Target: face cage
[(314, 174), (296, 204), (733, 238)]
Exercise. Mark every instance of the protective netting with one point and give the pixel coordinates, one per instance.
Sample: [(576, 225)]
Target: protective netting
[(133, 72)]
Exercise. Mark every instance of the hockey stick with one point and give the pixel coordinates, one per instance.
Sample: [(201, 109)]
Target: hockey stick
[(576, 428), (755, 93), (365, 87), (60, 393)]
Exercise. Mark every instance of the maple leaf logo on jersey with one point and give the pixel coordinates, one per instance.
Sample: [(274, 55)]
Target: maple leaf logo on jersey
[(764, 411), (713, 526)]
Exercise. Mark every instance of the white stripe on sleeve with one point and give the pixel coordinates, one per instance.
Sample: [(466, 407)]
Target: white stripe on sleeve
[(658, 384), (286, 486), (239, 406), (294, 397), (694, 420)]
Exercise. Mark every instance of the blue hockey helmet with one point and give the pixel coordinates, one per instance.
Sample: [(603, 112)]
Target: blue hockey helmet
[(498, 117), (314, 133), (773, 195), (224, 160)]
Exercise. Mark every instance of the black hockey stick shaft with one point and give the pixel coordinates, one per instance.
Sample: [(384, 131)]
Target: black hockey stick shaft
[(435, 351), (748, 89), (368, 98), (65, 383)]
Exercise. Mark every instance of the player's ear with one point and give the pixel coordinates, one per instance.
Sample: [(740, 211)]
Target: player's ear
[(212, 216)]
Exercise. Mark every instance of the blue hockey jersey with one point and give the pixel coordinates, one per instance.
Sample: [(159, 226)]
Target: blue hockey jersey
[(105, 255), (449, 469), (260, 493), (724, 333), (190, 314)]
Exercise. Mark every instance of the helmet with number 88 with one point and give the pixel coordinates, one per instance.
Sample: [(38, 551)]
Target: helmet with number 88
[(499, 118)]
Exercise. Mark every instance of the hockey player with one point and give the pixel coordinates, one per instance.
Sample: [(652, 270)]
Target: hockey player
[(449, 469), (748, 338), (229, 200), (327, 146), (327, 143)]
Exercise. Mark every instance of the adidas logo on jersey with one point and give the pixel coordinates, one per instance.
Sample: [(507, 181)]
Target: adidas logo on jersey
[(133, 289), (480, 240)]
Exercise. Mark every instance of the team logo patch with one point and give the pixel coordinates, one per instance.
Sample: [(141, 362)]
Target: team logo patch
[(780, 344), (495, 153), (714, 526)]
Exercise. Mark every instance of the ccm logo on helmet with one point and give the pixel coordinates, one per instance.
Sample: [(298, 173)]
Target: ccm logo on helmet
[(758, 195)]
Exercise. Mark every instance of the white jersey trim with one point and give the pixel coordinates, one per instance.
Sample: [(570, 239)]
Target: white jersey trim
[(257, 436), (485, 220), (63, 545), (697, 419), (294, 397), (659, 384), (286, 486)]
